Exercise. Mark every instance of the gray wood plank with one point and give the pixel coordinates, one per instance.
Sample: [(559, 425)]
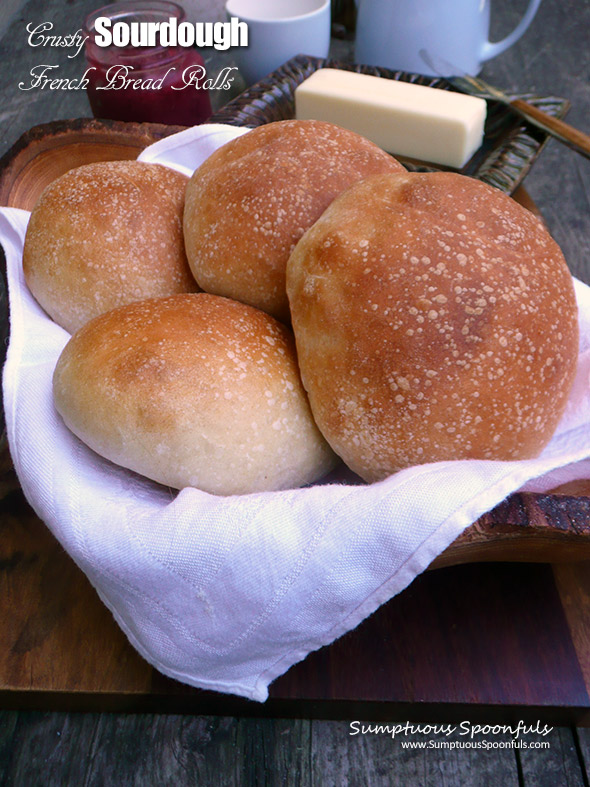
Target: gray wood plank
[(8, 10), (275, 752), (553, 58), (41, 747), (95, 749), (22, 109), (557, 765), (54, 749), (8, 722), (582, 738), (163, 750), (375, 759)]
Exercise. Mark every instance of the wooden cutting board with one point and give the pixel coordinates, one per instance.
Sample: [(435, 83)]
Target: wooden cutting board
[(481, 641), (481, 638)]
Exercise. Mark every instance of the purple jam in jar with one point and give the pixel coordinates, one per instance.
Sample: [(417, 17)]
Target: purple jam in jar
[(157, 84)]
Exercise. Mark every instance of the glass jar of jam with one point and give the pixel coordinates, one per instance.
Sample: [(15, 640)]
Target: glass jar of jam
[(143, 83)]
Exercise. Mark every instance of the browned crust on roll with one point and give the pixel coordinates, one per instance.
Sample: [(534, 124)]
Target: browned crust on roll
[(106, 234), (435, 319), (249, 203), (192, 390)]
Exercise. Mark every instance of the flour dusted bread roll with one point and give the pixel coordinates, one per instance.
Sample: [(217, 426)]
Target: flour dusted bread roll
[(435, 319), (192, 390), (106, 234), (250, 202)]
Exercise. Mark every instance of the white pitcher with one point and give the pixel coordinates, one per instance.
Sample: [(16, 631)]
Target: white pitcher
[(407, 35)]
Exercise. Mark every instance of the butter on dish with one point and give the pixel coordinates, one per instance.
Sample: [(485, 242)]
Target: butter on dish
[(405, 119)]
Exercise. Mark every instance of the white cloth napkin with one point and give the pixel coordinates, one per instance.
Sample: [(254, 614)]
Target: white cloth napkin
[(228, 593)]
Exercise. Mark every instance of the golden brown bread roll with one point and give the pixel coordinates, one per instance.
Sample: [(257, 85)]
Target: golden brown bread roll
[(192, 390), (435, 319), (106, 234), (250, 202)]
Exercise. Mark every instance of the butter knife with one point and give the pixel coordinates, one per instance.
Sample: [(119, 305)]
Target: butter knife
[(475, 86)]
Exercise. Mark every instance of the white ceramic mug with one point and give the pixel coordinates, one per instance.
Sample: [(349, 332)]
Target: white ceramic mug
[(436, 37), (277, 31)]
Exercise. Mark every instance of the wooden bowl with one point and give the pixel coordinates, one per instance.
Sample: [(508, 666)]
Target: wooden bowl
[(526, 527), (49, 150)]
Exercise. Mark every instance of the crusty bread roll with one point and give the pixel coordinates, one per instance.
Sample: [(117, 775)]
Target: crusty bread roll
[(106, 234), (435, 319), (192, 390), (250, 202)]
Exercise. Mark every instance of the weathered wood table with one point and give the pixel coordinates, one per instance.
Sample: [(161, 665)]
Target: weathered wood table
[(518, 633)]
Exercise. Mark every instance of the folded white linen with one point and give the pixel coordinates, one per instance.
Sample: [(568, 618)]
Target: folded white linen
[(228, 593)]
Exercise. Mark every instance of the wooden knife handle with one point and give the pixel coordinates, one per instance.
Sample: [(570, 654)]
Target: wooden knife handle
[(568, 134)]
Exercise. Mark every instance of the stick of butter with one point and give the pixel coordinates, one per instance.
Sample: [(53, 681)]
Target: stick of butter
[(408, 120)]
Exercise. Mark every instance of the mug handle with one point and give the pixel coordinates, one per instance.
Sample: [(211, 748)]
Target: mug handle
[(490, 49)]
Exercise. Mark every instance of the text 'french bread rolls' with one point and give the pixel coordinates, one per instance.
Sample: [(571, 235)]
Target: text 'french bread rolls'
[(192, 390), (106, 234), (435, 319), (252, 199)]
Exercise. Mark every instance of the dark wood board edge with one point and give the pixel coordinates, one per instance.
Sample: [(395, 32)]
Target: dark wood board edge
[(572, 582), (210, 703)]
